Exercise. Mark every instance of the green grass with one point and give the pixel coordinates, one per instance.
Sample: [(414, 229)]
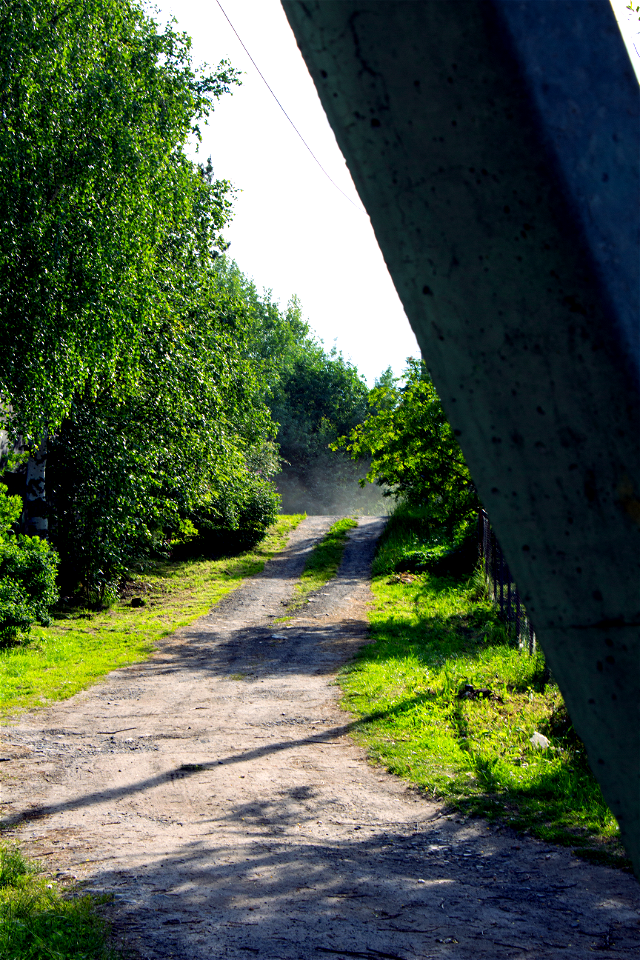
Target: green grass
[(322, 563), (81, 646), (41, 921), (431, 637), (408, 529)]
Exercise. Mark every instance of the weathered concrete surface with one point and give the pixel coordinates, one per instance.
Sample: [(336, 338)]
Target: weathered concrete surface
[(495, 146)]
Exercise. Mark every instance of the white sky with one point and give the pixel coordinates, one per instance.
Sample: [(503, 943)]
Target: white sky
[(293, 231), (629, 24)]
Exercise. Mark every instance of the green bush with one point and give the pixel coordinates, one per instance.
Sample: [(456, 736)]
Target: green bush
[(10, 510), (413, 451), (238, 518), (28, 568)]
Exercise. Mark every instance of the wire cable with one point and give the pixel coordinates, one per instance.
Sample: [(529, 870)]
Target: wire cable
[(264, 80)]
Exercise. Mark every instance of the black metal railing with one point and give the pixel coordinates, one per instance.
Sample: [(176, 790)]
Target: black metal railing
[(502, 586)]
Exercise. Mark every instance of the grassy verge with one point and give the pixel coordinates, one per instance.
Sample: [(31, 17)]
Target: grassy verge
[(447, 701), (322, 563), (39, 920), (81, 646), (407, 531)]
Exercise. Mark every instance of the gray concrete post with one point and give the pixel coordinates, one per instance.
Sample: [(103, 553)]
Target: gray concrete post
[(496, 147)]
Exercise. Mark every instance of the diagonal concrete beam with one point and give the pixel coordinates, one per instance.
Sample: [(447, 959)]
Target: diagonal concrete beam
[(496, 146)]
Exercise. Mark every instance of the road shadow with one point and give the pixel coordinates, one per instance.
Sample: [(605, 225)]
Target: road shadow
[(372, 893), (243, 635)]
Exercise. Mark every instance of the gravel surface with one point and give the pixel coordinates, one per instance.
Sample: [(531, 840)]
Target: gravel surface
[(216, 792)]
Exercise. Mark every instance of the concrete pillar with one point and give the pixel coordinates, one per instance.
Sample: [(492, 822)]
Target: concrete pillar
[(496, 146)]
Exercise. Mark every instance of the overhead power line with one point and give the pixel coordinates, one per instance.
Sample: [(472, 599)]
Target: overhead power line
[(264, 80)]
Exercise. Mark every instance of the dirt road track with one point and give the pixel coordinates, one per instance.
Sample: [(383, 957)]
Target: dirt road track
[(216, 792)]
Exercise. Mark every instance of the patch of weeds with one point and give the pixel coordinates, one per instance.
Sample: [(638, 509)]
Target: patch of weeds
[(446, 699), (412, 543), (80, 646), (408, 529), (322, 563), (39, 920)]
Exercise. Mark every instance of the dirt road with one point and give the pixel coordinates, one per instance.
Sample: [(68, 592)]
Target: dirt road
[(216, 792)]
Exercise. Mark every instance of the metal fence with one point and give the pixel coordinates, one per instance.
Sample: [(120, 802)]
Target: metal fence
[(502, 586)]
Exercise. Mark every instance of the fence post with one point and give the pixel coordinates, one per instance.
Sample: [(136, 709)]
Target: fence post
[(498, 574)]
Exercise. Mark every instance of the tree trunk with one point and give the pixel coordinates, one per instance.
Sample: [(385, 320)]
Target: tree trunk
[(35, 521)]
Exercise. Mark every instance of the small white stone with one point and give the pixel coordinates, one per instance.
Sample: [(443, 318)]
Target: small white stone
[(540, 741)]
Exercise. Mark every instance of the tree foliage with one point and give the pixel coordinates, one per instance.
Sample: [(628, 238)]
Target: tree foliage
[(318, 397), (413, 450), (27, 574), (142, 363), (190, 442), (129, 352), (97, 105), (314, 395)]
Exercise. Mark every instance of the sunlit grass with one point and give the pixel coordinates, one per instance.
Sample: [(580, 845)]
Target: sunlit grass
[(82, 646), (432, 636), (408, 529), (40, 921)]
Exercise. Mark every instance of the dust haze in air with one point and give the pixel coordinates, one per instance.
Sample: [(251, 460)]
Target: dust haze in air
[(331, 489)]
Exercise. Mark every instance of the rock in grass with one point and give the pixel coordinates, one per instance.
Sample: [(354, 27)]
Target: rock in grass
[(539, 741)]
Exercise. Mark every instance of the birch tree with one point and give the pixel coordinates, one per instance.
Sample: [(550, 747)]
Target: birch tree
[(97, 106)]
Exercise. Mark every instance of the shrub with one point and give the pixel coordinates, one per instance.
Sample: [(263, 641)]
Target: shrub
[(28, 568), (414, 452), (10, 510), (238, 518)]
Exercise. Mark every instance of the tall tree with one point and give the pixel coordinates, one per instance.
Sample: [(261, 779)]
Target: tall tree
[(95, 191), (97, 106), (413, 450), (188, 440)]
